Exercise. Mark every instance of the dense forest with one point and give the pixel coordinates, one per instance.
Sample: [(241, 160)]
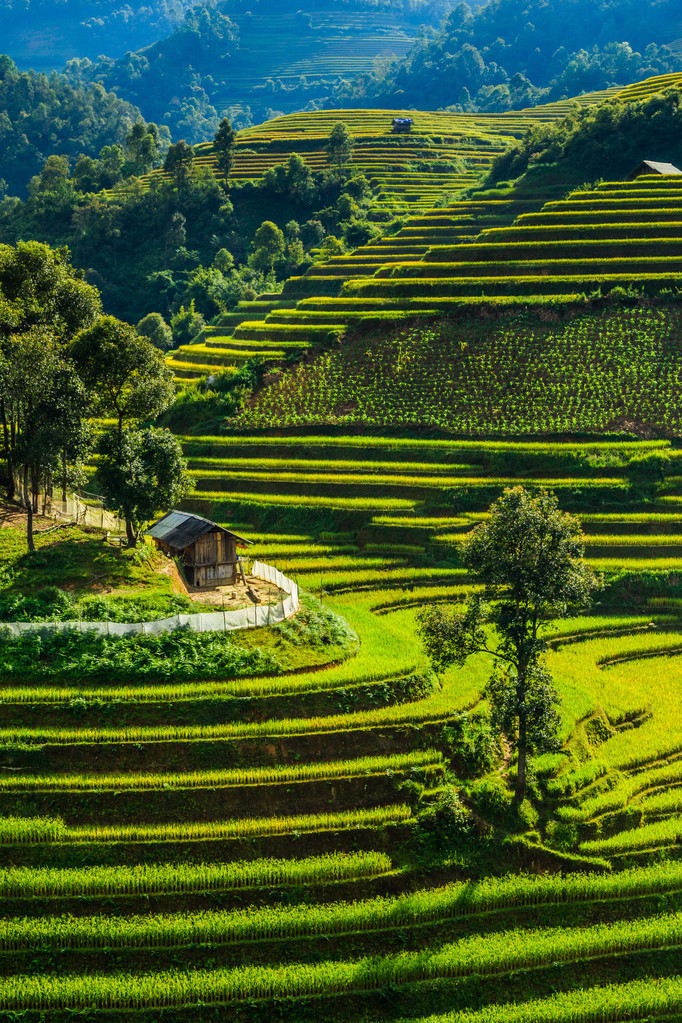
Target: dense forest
[(188, 241), (46, 115), (513, 53)]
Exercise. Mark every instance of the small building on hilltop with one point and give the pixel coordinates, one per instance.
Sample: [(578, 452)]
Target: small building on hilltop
[(207, 551), (402, 123), (653, 167)]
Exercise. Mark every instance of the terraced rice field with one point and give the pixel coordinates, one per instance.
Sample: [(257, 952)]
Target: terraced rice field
[(339, 41), (258, 848), (216, 849)]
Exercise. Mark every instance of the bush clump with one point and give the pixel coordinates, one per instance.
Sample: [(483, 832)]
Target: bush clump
[(318, 627), (181, 654)]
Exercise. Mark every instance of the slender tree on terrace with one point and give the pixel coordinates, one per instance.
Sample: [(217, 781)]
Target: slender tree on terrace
[(179, 162), (340, 145), (529, 555), (224, 146)]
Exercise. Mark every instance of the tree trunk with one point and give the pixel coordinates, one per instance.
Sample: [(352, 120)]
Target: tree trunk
[(522, 761), (11, 484), (130, 534), (28, 498), (35, 489), (8, 453), (522, 741), (64, 477)]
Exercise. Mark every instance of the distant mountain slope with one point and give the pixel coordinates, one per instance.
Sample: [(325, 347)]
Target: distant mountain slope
[(511, 53), (44, 34), (255, 59)]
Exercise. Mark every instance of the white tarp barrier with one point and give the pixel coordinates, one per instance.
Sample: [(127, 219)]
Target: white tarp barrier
[(209, 621), (86, 510)]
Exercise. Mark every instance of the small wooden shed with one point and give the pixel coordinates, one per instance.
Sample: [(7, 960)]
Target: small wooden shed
[(402, 123), (653, 167), (207, 551)]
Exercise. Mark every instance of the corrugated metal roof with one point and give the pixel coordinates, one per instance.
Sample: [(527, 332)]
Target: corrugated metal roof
[(180, 529), (661, 168)]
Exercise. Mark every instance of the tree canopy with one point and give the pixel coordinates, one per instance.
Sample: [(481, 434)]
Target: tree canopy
[(141, 472), (125, 371), (45, 115)]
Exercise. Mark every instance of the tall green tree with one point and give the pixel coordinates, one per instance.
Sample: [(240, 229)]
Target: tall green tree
[(143, 474), (269, 246), (340, 145), (44, 302), (127, 374), (530, 557), (142, 146), (224, 145)]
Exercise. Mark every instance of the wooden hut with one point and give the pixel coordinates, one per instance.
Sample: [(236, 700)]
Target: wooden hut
[(207, 551), (652, 167), (402, 123)]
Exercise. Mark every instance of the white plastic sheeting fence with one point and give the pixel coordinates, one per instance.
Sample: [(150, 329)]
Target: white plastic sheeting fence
[(211, 621), (88, 512), (77, 510)]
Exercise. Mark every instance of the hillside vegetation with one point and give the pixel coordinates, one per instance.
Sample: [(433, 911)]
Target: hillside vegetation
[(605, 141), (44, 117)]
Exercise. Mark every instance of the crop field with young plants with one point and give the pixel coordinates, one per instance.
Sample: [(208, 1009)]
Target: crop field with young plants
[(590, 373)]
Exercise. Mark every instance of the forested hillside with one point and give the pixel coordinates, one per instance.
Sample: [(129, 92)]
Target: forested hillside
[(43, 116), (512, 54)]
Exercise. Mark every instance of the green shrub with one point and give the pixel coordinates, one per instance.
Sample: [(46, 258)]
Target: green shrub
[(492, 798), (446, 826)]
